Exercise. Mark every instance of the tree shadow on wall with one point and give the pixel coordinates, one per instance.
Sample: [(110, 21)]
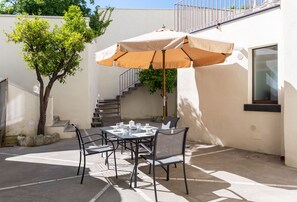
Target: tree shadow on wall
[(193, 118), (221, 92)]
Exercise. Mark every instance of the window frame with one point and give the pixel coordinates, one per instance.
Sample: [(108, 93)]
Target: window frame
[(253, 78)]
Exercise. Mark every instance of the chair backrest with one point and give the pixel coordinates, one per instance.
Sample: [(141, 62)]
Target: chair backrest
[(109, 121), (170, 142), (79, 138), (173, 122)]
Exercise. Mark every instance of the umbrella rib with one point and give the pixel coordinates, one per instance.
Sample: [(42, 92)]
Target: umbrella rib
[(186, 54), (153, 57), (120, 56)]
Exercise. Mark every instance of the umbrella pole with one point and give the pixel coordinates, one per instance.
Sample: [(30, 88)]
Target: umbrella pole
[(164, 86)]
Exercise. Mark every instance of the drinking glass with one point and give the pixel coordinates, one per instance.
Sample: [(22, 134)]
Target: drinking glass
[(118, 125), (138, 125)]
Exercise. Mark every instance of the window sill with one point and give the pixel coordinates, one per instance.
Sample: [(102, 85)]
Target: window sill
[(262, 107)]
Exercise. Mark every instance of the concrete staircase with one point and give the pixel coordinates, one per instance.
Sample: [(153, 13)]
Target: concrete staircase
[(62, 127), (129, 81), (110, 107), (106, 108)]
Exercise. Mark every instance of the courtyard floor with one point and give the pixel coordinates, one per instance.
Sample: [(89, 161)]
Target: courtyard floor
[(48, 173)]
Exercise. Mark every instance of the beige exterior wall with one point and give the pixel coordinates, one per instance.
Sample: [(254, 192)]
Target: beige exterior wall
[(290, 76), (141, 104), (211, 99), (74, 100), (22, 113)]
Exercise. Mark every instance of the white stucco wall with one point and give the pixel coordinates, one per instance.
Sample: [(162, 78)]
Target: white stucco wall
[(290, 76), (74, 100), (12, 65), (140, 104), (211, 99), (22, 113)]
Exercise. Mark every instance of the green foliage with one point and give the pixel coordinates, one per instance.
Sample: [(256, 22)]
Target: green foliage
[(99, 26), (153, 78), (42, 7), (53, 53), (99, 21)]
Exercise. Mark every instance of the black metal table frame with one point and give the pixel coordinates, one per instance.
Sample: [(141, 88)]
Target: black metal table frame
[(132, 139)]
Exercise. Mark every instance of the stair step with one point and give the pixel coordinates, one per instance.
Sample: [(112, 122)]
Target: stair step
[(96, 118), (107, 104), (104, 113), (96, 124), (60, 123), (108, 101), (107, 111), (106, 108), (132, 88), (69, 128)]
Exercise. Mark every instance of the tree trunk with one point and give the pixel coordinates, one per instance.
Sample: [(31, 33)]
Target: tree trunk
[(43, 99), (42, 116)]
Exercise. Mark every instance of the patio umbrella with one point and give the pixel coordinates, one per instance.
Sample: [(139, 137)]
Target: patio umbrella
[(164, 49)]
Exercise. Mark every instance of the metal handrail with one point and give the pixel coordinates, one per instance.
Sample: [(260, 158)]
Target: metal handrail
[(195, 15), (128, 79)]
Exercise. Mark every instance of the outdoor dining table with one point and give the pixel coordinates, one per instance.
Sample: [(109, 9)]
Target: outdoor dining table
[(133, 136)]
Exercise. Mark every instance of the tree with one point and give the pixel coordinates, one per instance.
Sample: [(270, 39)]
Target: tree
[(52, 52), (42, 7), (154, 80), (58, 8)]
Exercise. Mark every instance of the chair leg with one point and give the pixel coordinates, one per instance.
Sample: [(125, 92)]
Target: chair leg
[(131, 177), (167, 173), (131, 150), (154, 179), (115, 164), (150, 168), (185, 178), (175, 165), (79, 163), (83, 174), (102, 143), (106, 161), (122, 146)]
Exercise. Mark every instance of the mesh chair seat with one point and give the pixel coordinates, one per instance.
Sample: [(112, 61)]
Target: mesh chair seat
[(165, 161), (169, 148), (98, 149)]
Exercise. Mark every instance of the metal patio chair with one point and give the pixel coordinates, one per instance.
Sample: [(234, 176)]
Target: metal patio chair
[(90, 150), (169, 148), (169, 122)]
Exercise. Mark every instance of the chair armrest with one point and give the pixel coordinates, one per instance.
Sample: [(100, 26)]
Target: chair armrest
[(91, 135), (88, 142), (146, 148)]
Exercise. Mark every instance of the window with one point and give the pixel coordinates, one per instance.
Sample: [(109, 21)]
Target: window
[(265, 75)]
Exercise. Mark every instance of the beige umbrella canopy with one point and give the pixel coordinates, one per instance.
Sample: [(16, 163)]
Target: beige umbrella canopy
[(165, 49)]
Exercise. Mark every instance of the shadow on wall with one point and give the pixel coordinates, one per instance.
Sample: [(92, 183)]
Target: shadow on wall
[(193, 118), (215, 118), (290, 131)]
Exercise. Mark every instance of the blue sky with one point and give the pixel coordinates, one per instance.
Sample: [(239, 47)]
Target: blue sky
[(136, 3)]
